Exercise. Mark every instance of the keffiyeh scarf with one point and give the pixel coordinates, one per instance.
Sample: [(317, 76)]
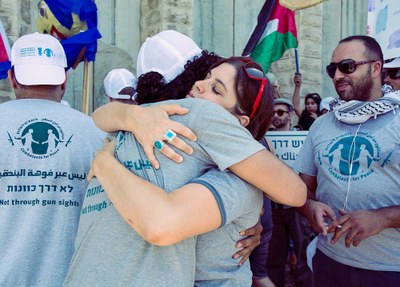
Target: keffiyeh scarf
[(357, 112)]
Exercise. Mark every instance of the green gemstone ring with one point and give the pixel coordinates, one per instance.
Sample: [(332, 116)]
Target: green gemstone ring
[(158, 144)]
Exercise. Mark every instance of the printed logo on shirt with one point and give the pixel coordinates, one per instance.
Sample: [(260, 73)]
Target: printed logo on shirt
[(39, 138), (349, 155)]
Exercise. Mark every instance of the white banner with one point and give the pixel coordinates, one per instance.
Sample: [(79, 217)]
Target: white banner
[(384, 25), (287, 145)]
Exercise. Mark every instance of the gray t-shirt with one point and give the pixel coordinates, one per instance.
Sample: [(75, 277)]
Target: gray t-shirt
[(364, 160), (240, 205), (108, 251), (47, 149)]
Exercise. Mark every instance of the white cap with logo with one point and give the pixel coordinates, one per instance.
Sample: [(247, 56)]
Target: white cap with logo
[(118, 79), (166, 53), (38, 59)]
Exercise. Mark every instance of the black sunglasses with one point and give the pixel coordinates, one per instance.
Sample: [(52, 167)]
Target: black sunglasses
[(346, 66), (394, 74), (280, 112)]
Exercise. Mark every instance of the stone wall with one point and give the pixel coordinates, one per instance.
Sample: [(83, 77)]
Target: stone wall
[(124, 36), (158, 15)]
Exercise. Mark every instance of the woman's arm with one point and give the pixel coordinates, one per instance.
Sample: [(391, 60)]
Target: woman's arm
[(277, 180), (139, 120), (296, 94), (161, 218)]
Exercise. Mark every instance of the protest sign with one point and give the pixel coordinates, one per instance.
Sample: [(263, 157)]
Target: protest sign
[(287, 144), (383, 25)]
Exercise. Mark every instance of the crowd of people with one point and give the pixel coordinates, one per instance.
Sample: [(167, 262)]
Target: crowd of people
[(167, 205)]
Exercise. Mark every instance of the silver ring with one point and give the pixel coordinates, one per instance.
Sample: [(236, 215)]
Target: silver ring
[(159, 144), (169, 135), (339, 226)]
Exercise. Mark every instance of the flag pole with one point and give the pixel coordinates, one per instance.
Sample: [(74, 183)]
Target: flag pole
[(87, 73), (297, 61), (87, 79)]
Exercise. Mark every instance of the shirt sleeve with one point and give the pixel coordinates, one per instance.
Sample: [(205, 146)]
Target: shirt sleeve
[(304, 162), (220, 134), (235, 197)]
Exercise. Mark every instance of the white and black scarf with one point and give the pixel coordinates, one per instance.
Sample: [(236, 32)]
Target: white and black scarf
[(357, 112)]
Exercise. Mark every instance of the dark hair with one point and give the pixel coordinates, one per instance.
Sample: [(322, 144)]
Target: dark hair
[(151, 87), (316, 98), (246, 91), (373, 49)]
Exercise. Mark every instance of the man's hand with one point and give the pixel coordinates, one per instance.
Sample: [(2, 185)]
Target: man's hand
[(153, 123), (317, 213), (249, 243), (357, 226), (297, 80)]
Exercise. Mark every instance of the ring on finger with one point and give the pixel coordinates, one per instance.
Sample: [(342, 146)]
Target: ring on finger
[(339, 226), (169, 135), (159, 144)]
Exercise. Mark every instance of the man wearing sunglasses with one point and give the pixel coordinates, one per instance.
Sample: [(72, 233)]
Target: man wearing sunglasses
[(283, 115), (391, 72), (350, 164), (287, 223)]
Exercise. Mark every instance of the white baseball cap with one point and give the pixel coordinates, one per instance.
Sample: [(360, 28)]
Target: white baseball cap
[(325, 103), (38, 59), (118, 79), (166, 53), (393, 64)]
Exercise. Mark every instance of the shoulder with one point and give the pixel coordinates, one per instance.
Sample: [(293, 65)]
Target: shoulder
[(204, 110)]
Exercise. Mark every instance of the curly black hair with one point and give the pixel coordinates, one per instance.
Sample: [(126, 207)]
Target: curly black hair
[(151, 87)]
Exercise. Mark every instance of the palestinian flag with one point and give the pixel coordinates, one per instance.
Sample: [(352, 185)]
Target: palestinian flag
[(274, 34), (5, 63)]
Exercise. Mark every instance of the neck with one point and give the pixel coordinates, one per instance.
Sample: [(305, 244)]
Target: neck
[(284, 128), (39, 92), (376, 93)]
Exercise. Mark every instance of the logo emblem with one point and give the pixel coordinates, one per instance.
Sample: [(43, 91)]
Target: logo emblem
[(353, 156), (39, 138)]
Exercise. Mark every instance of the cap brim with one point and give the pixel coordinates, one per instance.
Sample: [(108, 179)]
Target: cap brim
[(120, 97), (39, 74), (393, 64)]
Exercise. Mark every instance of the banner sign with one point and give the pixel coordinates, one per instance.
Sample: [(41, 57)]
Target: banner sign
[(383, 25), (287, 144)]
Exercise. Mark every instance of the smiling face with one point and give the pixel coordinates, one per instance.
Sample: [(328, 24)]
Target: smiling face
[(357, 85), (218, 87)]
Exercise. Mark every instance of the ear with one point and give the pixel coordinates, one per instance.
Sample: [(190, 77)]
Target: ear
[(64, 85), (377, 69), (11, 79), (244, 120)]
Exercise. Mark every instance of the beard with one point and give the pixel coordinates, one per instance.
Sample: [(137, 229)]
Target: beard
[(279, 123), (360, 90)]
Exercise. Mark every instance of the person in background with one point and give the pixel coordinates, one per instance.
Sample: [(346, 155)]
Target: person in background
[(325, 106), (47, 148), (311, 105), (258, 257), (288, 225), (282, 120), (350, 164), (120, 85), (274, 81), (391, 74)]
